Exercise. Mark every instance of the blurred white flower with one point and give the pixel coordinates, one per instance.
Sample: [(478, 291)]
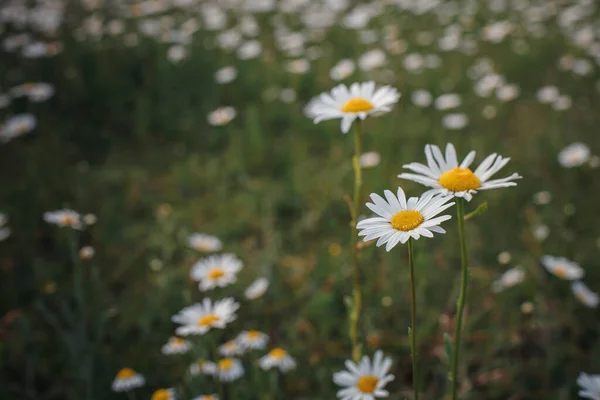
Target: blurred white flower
[(221, 116), (62, 218), (229, 40), (541, 232), (542, 198), (226, 75), (343, 69), (250, 49), (126, 380), (563, 268), (508, 279), (204, 242), (369, 160), (504, 257), (86, 253), (447, 101), (176, 345), (574, 155), (253, 339), (366, 379), (256, 289), (547, 94), (176, 53), (562, 103), (216, 271), (229, 369), (590, 386), (299, 66), (455, 121), (16, 126), (507, 92), (287, 95), (203, 366), (585, 295), (231, 348), (278, 358), (413, 62), (372, 59), (421, 98), (202, 317)]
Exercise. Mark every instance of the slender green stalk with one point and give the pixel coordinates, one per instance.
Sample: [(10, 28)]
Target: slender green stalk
[(464, 276), (356, 293), (413, 319)]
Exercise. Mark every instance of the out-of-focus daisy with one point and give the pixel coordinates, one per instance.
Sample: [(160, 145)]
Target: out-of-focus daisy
[(250, 49), (400, 219), (299, 66), (257, 288), (574, 155), (541, 232), (221, 116), (562, 102), (63, 218), (584, 294), (253, 339), (547, 94), (589, 385), (278, 358), (207, 397), (455, 121), (369, 160), (229, 369), (508, 279), (226, 75), (447, 101), (421, 98), (358, 101), (16, 126), (343, 69), (507, 92), (86, 253), (176, 345), (563, 268), (231, 348), (542, 198), (176, 53), (365, 380), (127, 379), (202, 366), (372, 59), (205, 243), (164, 394), (447, 177), (202, 317), (216, 271)]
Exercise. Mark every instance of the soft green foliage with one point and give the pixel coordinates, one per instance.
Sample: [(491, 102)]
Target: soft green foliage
[(126, 138)]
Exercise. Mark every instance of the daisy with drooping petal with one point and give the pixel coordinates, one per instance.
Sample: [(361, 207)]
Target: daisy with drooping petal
[(204, 243), (365, 380), (64, 218), (202, 317), (216, 271), (585, 295), (127, 379), (563, 268), (207, 397), (278, 358), (231, 348), (229, 369), (164, 394), (252, 339), (590, 386), (400, 219), (256, 289), (176, 345), (202, 366), (358, 101), (446, 176)]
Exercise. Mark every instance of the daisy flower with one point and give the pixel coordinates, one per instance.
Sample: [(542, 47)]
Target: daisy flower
[(400, 219), (163, 394), (256, 289), (221, 116), (63, 218), (202, 317), (590, 386), (229, 369), (202, 367), (231, 348), (574, 155), (358, 101), (585, 295), (278, 358), (127, 379), (252, 339), (216, 271), (446, 176), (176, 345), (365, 380), (207, 397), (508, 279), (205, 243), (17, 125), (563, 268)]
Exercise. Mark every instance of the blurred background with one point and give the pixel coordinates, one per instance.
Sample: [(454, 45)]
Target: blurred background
[(157, 119)]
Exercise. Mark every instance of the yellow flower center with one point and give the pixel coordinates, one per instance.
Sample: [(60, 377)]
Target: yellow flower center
[(278, 353), (216, 273), (230, 345), (367, 384), (178, 341), (208, 320), (406, 220), (356, 105), (459, 180), (253, 334), (209, 397), (125, 373), (67, 220), (561, 272), (225, 364), (161, 394)]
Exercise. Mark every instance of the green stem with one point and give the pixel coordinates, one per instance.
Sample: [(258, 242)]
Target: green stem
[(464, 277), (216, 357), (356, 293), (413, 319)]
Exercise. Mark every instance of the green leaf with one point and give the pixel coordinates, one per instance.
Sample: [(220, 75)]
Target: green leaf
[(479, 210), (448, 346)]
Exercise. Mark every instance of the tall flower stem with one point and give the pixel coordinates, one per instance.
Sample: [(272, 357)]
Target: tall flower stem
[(460, 305), (413, 319), (356, 293)]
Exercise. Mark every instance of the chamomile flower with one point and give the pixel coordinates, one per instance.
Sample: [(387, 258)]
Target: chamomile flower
[(202, 366), (176, 345), (253, 339), (400, 219), (16, 126), (221, 116), (204, 243), (207, 397), (446, 176), (216, 271), (574, 155), (62, 218), (589, 385), (231, 348), (202, 317), (508, 279), (365, 380), (369, 160), (229, 369), (256, 289), (278, 358), (563, 268), (348, 104), (127, 379), (585, 295), (164, 394)]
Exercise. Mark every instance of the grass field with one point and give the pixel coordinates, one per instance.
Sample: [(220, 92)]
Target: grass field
[(157, 120)]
